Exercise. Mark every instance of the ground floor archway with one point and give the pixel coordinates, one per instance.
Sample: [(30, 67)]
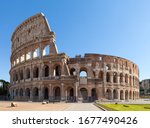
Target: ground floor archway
[(57, 93), (121, 95), (27, 93), (115, 94), (70, 94), (84, 93), (93, 94), (46, 93), (126, 95), (108, 94), (35, 94)]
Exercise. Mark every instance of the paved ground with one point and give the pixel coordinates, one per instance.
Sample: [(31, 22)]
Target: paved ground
[(82, 107), (37, 106)]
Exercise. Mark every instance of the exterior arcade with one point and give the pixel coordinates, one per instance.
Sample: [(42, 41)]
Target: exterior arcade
[(38, 72)]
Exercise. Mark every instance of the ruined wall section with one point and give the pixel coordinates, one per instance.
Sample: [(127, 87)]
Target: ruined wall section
[(33, 33), (108, 69)]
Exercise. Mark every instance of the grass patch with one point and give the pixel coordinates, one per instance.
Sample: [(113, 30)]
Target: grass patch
[(126, 107)]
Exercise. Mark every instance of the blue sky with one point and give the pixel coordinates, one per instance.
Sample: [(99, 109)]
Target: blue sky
[(113, 27)]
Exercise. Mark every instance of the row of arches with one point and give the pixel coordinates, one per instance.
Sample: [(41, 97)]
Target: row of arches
[(56, 94), (21, 74), (112, 77), (70, 94), (35, 93), (121, 78), (112, 94), (35, 53)]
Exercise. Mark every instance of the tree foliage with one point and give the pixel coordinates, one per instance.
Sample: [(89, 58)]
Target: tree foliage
[(4, 90)]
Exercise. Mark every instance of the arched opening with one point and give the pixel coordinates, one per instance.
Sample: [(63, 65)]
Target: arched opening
[(115, 96), (94, 74), (46, 71), (46, 50), (27, 93), (107, 77), (130, 95), (133, 81), (36, 53), (108, 94), (22, 58), (133, 95), (126, 95), (16, 92), (94, 94), (16, 77), (130, 71), (83, 74), (21, 92), (35, 92), (57, 71), (35, 72), (46, 93), (84, 93), (121, 95), (121, 78), (108, 67), (115, 77), (28, 56), (72, 72), (27, 73), (70, 94), (57, 94), (130, 81), (21, 75), (126, 78), (101, 75)]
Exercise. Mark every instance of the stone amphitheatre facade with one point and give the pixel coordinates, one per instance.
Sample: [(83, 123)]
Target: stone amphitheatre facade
[(38, 72)]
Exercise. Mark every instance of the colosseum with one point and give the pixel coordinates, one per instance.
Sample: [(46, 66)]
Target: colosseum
[(39, 72)]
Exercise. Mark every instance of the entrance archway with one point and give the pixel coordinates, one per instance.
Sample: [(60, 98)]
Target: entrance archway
[(57, 94), (46, 93), (16, 92), (84, 93), (35, 93), (108, 94), (121, 95), (94, 94), (126, 95), (27, 93), (133, 95), (21, 92), (70, 94), (130, 95), (115, 94)]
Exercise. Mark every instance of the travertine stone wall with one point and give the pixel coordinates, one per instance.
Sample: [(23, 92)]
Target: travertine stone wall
[(39, 72)]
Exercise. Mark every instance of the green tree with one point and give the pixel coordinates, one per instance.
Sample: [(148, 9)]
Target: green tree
[(4, 89)]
